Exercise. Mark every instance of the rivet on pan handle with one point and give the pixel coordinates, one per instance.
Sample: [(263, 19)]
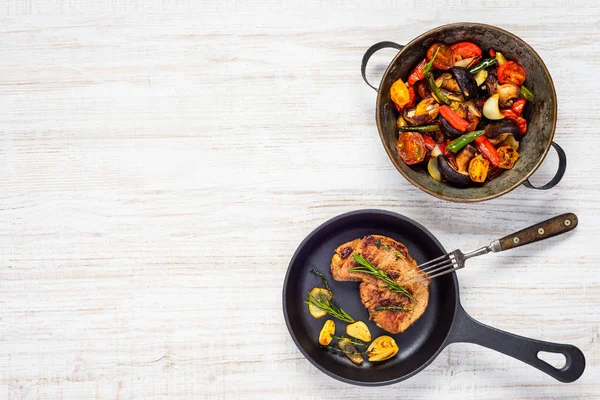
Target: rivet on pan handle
[(372, 50), (466, 329)]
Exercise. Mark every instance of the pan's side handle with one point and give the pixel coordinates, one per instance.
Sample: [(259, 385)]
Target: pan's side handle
[(466, 329), (372, 50), (562, 167)]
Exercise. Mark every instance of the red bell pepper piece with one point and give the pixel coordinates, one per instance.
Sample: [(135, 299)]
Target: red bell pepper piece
[(519, 105), (520, 121), (492, 53), (453, 118), (429, 142), (417, 73), (488, 150)]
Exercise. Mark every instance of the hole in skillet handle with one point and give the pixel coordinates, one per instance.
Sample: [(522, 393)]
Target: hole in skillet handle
[(372, 50), (562, 167)]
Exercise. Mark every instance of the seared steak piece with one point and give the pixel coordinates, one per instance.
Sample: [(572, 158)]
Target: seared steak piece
[(391, 257)]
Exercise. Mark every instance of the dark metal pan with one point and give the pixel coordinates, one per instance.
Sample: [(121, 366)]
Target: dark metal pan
[(444, 322)]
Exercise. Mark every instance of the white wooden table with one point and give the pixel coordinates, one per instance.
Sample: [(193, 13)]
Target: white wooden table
[(160, 162)]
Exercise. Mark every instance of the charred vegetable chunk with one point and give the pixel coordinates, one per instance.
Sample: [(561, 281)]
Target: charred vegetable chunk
[(326, 332), (508, 157), (411, 147), (359, 330), (478, 169), (350, 351), (383, 348), (466, 82)]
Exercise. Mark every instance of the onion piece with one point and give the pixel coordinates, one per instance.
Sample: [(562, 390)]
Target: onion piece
[(491, 109), (432, 167), (465, 62)]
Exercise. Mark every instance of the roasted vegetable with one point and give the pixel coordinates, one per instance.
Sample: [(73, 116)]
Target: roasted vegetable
[(425, 112), (511, 72), (488, 150), (359, 330), (453, 118), (491, 110), (411, 147), (519, 105), (483, 65), (401, 122), (423, 89), (420, 129), (510, 141), (496, 128), (417, 73), (350, 351), (399, 93), (508, 157), (326, 332), (450, 173), (480, 77), (460, 142), (465, 50), (500, 59), (464, 157), (466, 82), (507, 94), (446, 81), (429, 142), (444, 59), (436, 91), (519, 120), (478, 169), (319, 293), (528, 94), (432, 168), (448, 129), (383, 348)]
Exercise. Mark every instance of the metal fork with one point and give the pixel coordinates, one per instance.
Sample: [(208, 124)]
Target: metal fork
[(455, 260)]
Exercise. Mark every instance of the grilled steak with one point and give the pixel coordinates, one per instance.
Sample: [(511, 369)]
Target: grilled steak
[(391, 257)]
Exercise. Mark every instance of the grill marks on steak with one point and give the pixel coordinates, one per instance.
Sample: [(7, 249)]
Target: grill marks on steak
[(392, 257)]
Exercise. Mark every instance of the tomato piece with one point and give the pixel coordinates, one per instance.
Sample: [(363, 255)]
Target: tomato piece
[(508, 157), (429, 142), (423, 89), (478, 169), (465, 50), (417, 73), (445, 57), (521, 122), (511, 72), (519, 105), (399, 93), (411, 147)]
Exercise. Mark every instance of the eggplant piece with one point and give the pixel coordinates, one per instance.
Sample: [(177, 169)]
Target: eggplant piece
[(466, 82), (452, 175), (497, 128), (449, 129)]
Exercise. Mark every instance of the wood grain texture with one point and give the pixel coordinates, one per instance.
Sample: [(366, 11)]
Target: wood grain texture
[(161, 161)]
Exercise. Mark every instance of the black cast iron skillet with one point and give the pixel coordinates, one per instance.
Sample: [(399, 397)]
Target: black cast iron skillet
[(444, 322)]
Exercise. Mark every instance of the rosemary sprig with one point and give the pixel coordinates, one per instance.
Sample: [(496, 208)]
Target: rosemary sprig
[(393, 308), (354, 342), (368, 268), (329, 306), (323, 279)]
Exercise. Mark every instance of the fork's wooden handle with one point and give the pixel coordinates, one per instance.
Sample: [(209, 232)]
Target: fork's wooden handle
[(552, 227)]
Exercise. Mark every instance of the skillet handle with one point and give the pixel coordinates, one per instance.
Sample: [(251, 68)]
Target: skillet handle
[(466, 329), (372, 50), (562, 167)]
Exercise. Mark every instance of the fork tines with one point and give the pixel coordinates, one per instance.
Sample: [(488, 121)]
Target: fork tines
[(434, 268)]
